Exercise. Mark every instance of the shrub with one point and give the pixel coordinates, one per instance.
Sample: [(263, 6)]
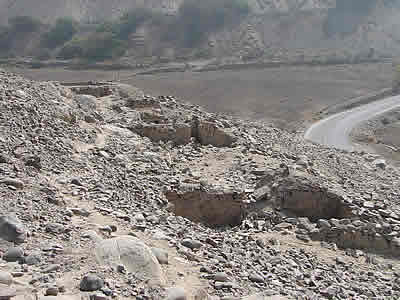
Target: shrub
[(43, 54), (24, 24), (346, 16), (128, 23), (197, 19), (63, 31), (17, 27), (6, 38), (71, 50), (97, 46), (103, 45)]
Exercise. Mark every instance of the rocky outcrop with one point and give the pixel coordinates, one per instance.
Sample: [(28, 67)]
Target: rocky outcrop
[(212, 207)]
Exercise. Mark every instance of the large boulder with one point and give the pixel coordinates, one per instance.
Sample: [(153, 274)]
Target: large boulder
[(5, 278), (90, 283), (133, 254), (6, 292), (12, 230)]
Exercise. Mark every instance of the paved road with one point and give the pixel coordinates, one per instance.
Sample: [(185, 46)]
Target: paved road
[(334, 131)]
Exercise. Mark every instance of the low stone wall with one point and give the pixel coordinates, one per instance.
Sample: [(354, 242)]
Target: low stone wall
[(178, 133), (206, 133), (97, 91)]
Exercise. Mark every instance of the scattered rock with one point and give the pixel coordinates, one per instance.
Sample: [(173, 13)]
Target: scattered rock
[(18, 184), (32, 259), (7, 293), (5, 278), (256, 278), (192, 244), (12, 230), (161, 255), (52, 291), (91, 283), (176, 293), (13, 254), (379, 163)]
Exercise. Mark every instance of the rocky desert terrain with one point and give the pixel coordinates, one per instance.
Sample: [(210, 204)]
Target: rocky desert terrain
[(110, 193), (287, 97)]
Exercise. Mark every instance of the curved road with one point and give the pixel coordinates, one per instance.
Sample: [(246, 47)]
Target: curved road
[(335, 130)]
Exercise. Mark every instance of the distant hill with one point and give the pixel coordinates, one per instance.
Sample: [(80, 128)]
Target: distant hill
[(87, 11), (275, 29)]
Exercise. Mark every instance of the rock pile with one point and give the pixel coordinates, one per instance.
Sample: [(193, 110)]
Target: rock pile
[(195, 206)]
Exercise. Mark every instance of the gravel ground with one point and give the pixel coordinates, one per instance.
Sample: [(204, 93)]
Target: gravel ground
[(95, 193), (285, 96)]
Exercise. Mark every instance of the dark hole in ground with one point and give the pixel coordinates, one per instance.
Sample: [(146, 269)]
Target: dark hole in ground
[(212, 208), (314, 204)]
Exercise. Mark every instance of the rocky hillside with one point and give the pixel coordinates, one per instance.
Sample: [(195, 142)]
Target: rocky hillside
[(107, 192), (93, 10), (345, 30), (311, 30), (86, 11)]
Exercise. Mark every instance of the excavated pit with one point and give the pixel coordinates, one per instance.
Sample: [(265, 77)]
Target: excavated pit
[(314, 205), (303, 197), (210, 207), (96, 89)]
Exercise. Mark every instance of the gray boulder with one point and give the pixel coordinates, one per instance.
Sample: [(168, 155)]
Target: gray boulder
[(264, 297), (12, 230), (176, 293), (13, 254), (133, 254), (91, 283), (18, 184), (6, 278), (7, 292), (61, 297), (161, 255)]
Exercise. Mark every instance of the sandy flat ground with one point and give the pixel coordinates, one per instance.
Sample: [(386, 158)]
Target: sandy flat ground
[(285, 95)]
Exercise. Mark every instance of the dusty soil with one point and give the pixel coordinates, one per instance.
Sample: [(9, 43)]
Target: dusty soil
[(285, 96), (382, 135), (72, 166)]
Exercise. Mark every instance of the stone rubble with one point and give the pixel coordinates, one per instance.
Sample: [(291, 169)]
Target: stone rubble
[(94, 208)]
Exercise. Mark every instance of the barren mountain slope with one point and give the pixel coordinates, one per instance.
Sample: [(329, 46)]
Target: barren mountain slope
[(317, 30), (276, 29), (108, 193), (82, 10), (91, 10)]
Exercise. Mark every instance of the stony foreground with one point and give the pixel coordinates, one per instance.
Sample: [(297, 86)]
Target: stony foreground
[(109, 193)]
